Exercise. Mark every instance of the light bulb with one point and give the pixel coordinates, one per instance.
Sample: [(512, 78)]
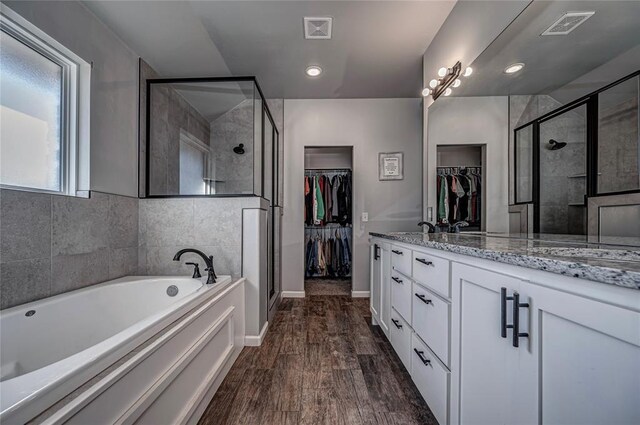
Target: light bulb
[(442, 71), (468, 71), (433, 83), (426, 92), (513, 68), (313, 71), (457, 82), (447, 92)]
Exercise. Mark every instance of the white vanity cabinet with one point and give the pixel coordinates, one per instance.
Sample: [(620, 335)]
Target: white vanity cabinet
[(588, 352), (491, 372), (575, 360), (380, 294)]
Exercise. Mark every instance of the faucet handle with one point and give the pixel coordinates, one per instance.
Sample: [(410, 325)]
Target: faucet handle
[(196, 270), (210, 269)]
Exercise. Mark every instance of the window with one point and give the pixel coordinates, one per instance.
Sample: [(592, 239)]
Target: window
[(194, 164), (43, 111)]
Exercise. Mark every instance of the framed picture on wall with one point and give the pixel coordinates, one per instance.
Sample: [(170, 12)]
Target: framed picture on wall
[(391, 166)]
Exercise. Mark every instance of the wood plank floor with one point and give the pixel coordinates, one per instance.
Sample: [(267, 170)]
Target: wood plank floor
[(321, 363)]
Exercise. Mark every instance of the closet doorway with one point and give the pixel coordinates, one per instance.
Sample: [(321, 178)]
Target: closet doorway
[(460, 186), (328, 220)]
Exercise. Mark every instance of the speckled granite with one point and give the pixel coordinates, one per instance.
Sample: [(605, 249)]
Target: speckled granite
[(601, 263)]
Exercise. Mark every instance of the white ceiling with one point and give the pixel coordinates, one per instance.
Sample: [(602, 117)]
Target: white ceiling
[(552, 62), (376, 50)]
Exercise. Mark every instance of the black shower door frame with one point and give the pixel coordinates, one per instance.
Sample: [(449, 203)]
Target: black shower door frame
[(591, 102)]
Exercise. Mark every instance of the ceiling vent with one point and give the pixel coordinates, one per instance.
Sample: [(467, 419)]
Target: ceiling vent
[(567, 23), (317, 28)]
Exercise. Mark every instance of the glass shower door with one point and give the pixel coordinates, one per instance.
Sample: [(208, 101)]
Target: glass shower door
[(563, 173)]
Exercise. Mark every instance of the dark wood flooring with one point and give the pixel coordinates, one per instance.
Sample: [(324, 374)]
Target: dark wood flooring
[(327, 287), (321, 362)]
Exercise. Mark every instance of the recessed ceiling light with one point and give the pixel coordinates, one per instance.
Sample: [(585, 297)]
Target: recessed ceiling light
[(513, 68), (314, 71)]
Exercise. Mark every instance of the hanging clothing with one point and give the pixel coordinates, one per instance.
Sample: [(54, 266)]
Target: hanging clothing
[(328, 198), (459, 195), (328, 252)]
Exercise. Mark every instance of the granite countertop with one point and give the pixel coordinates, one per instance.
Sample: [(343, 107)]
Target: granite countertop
[(611, 264)]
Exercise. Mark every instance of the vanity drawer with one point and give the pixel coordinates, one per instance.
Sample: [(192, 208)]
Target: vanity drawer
[(401, 287), (431, 378), (432, 272), (431, 320), (401, 259), (401, 332)]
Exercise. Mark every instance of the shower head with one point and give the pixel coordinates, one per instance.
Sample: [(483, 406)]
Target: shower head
[(555, 145), (239, 149)]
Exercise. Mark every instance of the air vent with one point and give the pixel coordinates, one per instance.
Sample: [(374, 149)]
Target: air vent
[(567, 23), (317, 28)]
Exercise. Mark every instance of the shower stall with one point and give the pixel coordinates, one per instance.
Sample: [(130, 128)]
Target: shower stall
[(578, 166)]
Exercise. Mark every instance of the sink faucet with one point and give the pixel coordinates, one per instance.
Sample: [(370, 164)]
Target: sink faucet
[(211, 276), (432, 228), (456, 227)]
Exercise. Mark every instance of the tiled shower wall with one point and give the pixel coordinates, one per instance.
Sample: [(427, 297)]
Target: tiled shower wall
[(52, 244), (212, 225)]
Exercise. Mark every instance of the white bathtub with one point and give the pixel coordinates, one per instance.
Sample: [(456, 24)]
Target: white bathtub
[(50, 347)]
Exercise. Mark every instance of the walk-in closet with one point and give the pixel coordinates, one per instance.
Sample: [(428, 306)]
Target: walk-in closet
[(460, 186), (328, 188)]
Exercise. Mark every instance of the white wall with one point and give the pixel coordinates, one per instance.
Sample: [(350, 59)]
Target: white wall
[(475, 121), (370, 126), (114, 89)]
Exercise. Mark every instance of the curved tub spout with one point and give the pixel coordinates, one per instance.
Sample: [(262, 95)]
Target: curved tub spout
[(208, 260)]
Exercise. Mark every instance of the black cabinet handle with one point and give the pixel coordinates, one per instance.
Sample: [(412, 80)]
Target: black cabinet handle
[(516, 320), (375, 252), (397, 280), (420, 354), (423, 299), (397, 252), (397, 323), (503, 312), (424, 261)]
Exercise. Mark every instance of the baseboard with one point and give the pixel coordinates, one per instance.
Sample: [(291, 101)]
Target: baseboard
[(256, 341), (360, 294), (292, 294)]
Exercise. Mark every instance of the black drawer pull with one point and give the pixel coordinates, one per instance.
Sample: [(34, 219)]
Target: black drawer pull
[(420, 354), (397, 323), (397, 252), (503, 312), (516, 320), (424, 299), (397, 280), (424, 261)]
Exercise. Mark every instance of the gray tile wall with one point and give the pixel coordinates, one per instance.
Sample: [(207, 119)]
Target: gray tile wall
[(228, 131), (212, 225), (52, 244), (170, 113)]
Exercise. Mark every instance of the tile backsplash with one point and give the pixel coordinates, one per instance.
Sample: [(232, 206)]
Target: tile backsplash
[(52, 244)]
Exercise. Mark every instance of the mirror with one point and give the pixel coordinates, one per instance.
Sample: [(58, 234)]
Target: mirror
[(573, 112)]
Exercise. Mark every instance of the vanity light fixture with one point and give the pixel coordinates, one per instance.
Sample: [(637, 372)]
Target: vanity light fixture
[(313, 71), (513, 68), (449, 78)]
